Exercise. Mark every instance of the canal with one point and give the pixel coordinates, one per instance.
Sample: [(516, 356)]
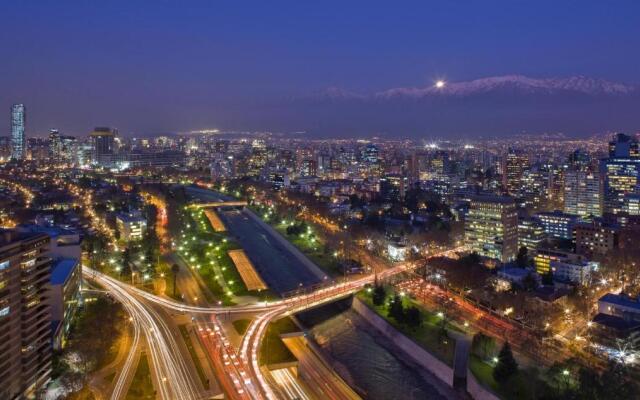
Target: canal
[(366, 360)]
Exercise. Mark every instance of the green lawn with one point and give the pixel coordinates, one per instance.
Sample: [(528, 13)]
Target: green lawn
[(194, 356), (141, 385), (241, 325), (315, 250), (273, 350), (203, 247), (429, 335), (520, 386)]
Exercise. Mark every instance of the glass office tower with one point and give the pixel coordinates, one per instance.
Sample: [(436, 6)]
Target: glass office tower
[(18, 138)]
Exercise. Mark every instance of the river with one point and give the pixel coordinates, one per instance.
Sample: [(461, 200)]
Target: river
[(366, 360)]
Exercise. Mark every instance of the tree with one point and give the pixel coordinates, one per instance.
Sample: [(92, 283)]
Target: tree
[(507, 365), (483, 345), (529, 282), (522, 259), (547, 278), (150, 258), (396, 309), (618, 382), (126, 262), (471, 259), (379, 295), (413, 317), (175, 268)]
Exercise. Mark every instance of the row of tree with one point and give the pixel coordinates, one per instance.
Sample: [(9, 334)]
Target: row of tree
[(410, 316)]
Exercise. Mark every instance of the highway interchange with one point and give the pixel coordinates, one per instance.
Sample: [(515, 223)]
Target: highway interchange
[(237, 367)]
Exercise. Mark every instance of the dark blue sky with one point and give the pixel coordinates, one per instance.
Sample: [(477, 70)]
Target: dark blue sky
[(157, 66)]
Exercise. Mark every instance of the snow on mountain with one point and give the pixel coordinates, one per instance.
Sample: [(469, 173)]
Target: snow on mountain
[(514, 83)]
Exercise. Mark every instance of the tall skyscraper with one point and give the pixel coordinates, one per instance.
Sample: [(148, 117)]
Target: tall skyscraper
[(25, 314), (515, 165), (18, 138), (103, 139), (621, 172), (491, 227), (582, 193)]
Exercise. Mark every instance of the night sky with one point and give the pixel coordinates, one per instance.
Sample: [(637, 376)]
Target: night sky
[(162, 66)]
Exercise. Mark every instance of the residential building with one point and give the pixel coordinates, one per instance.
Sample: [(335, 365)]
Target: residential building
[(63, 243), (596, 237), (620, 305), (491, 227), (25, 314), (618, 320), (573, 270)]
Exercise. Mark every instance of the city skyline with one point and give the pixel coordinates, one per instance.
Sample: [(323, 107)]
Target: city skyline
[(319, 201)]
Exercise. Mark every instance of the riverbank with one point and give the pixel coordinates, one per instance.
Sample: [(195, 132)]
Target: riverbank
[(366, 359)]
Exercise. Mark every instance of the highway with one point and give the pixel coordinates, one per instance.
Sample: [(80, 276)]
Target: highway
[(125, 375), (172, 376), (324, 383)]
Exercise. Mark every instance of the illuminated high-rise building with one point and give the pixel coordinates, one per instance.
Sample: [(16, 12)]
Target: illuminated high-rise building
[(103, 139), (18, 137), (621, 172), (491, 227), (582, 193), (25, 314), (515, 165)]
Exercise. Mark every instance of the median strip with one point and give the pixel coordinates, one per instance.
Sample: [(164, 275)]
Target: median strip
[(248, 273)]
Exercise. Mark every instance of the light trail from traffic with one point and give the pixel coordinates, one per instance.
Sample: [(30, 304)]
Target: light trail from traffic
[(171, 372), (122, 382), (169, 365)]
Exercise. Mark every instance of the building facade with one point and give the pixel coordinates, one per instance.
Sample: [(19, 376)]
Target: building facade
[(558, 224), (65, 298), (621, 172), (25, 314), (582, 193), (491, 227), (18, 137), (131, 226)]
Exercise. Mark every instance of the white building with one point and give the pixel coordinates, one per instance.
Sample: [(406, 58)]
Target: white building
[(577, 272)]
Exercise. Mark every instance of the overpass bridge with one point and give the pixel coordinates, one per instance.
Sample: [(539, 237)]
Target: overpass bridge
[(218, 204), (256, 385)]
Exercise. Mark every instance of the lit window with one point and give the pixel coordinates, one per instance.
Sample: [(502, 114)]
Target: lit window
[(4, 311)]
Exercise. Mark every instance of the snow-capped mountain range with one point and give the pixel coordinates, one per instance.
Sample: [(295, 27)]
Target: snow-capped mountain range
[(516, 84)]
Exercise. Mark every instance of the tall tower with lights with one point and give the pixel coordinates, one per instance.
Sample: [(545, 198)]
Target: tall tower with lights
[(18, 138)]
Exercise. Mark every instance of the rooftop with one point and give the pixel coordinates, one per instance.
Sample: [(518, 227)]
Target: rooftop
[(493, 199), (616, 323), (62, 270), (52, 231), (8, 236), (130, 217), (620, 300)]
